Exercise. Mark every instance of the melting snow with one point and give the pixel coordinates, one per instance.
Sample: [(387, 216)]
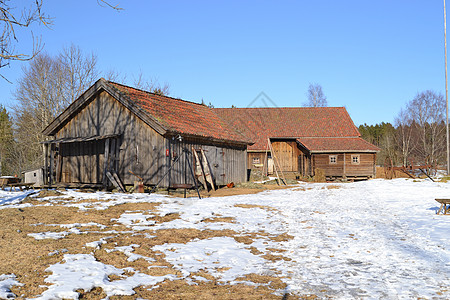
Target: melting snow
[(82, 271), (373, 239), (222, 257), (6, 282)]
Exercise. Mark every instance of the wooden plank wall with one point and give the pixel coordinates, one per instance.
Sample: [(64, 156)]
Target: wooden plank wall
[(228, 164), (80, 162), (262, 157), (287, 154), (364, 169), (141, 149)]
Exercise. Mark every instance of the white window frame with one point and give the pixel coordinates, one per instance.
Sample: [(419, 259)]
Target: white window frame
[(356, 159), (256, 161), (332, 159)]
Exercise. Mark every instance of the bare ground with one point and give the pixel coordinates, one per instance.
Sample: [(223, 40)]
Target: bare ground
[(28, 258)]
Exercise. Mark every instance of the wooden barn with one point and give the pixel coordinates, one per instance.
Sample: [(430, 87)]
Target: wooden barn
[(115, 129), (300, 140)]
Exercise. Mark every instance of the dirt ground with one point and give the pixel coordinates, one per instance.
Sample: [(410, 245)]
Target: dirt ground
[(225, 191), (29, 258)]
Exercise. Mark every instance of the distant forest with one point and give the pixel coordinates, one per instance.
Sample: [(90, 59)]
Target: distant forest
[(418, 135)]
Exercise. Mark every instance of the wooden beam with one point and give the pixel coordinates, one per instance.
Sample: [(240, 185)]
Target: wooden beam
[(45, 150), (277, 163), (106, 164)]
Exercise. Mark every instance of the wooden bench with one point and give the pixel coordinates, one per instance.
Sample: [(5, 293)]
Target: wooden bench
[(445, 206), (20, 185)]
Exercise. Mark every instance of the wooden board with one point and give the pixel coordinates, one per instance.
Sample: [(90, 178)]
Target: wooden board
[(117, 184), (199, 167), (207, 170)]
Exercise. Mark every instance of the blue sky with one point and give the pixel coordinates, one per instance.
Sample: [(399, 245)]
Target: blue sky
[(369, 56)]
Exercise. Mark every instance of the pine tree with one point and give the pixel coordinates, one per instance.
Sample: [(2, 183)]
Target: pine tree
[(6, 141)]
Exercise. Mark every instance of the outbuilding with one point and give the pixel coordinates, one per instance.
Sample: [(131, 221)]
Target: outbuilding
[(136, 134), (298, 141)]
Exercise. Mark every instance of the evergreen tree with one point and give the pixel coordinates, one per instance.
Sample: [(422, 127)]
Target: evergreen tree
[(6, 142)]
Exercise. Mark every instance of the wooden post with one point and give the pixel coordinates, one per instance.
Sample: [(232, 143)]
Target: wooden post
[(112, 161), (59, 164), (105, 164), (45, 149), (344, 175), (265, 164), (51, 166)]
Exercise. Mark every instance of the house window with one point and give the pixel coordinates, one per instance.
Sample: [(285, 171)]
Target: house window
[(333, 159), (355, 159), (256, 160)]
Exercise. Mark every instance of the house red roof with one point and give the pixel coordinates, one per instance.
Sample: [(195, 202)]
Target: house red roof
[(258, 124), (345, 144), (180, 116)]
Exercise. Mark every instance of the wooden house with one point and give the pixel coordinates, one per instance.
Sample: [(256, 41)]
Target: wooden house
[(133, 133), (300, 140)]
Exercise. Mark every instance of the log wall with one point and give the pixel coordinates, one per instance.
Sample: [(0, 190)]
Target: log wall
[(344, 165)]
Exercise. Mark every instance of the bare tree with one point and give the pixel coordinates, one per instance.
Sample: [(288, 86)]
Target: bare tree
[(47, 87), (316, 97), (78, 72), (404, 135), (14, 19), (427, 110), (150, 85)]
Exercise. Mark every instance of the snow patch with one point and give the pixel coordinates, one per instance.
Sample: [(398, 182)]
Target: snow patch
[(222, 257), (6, 282), (82, 271)]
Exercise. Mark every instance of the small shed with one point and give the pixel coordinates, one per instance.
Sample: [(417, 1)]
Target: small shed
[(300, 140), (35, 176), (134, 133)]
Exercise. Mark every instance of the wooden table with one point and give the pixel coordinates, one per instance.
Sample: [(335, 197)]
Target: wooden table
[(445, 206), (8, 180)]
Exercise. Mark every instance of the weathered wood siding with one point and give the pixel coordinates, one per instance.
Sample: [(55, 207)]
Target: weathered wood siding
[(365, 167), (262, 156), (286, 153), (140, 149), (227, 164)]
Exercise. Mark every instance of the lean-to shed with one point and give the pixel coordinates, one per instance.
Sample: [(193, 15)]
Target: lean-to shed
[(303, 140), (112, 127)]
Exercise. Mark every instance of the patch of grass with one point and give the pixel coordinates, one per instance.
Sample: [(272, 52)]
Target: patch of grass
[(319, 175), (444, 179), (219, 219), (29, 258)]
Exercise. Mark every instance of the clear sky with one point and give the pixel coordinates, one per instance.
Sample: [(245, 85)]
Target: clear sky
[(369, 56)]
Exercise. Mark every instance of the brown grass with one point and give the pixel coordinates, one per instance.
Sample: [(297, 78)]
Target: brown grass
[(28, 258), (380, 173), (225, 191)]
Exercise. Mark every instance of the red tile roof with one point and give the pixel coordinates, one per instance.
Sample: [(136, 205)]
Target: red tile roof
[(351, 144), (258, 124), (179, 116)]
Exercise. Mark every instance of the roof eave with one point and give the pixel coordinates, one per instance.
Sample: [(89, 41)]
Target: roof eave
[(206, 138), (342, 151)]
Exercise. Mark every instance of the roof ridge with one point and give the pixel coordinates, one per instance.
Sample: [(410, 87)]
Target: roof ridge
[(154, 94), (284, 107)]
